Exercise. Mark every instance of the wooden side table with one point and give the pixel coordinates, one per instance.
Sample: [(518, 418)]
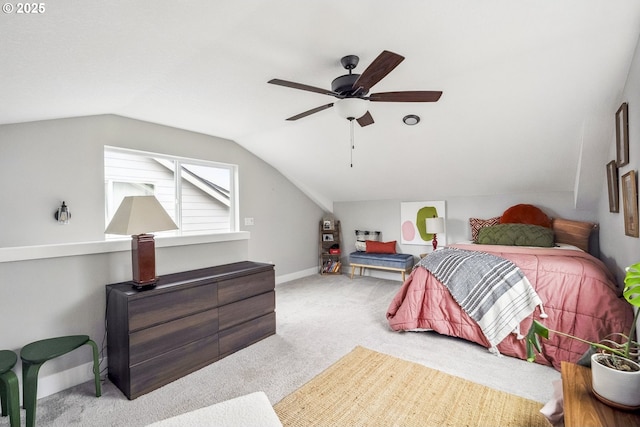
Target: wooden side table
[(581, 408)]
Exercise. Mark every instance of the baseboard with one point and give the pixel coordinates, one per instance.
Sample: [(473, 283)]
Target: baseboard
[(380, 274), (59, 381), (297, 275)]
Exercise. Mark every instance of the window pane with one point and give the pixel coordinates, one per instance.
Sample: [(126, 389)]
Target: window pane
[(200, 199), (128, 174), (124, 189), (205, 198)]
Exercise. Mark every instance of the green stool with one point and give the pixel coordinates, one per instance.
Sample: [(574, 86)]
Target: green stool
[(9, 392), (33, 357)]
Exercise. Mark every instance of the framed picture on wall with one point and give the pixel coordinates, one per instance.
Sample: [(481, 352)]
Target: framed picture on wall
[(630, 203), (413, 226), (327, 237), (612, 186), (622, 135)]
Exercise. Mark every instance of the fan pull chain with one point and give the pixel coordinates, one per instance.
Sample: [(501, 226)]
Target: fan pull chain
[(351, 141)]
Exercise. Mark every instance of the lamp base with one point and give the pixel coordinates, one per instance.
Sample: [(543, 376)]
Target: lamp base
[(434, 242), (144, 287), (143, 261)]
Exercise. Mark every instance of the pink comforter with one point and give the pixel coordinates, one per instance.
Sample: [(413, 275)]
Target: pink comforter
[(578, 292)]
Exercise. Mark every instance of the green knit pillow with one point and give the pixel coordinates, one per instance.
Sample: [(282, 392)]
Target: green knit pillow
[(516, 235)]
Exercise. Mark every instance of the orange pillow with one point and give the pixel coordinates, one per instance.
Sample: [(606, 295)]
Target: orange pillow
[(374, 247), (525, 214)]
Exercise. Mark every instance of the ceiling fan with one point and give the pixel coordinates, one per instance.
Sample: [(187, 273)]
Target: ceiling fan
[(352, 89)]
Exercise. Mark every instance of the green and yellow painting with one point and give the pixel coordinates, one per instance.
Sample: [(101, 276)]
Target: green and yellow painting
[(413, 217)]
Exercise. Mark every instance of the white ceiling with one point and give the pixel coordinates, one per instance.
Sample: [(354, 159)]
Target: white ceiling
[(527, 85)]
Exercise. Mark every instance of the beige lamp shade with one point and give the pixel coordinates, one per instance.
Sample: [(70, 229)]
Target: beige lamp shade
[(140, 215), (435, 225)]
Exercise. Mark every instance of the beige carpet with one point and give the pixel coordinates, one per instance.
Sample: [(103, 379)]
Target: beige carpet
[(367, 388)]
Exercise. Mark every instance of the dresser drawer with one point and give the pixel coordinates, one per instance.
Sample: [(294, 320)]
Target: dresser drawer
[(157, 335), (145, 312), (247, 309), (170, 366), (243, 287), (151, 342), (247, 333)]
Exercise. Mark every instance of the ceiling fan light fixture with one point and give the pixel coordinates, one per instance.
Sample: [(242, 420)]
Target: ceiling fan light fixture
[(351, 108), (411, 119)]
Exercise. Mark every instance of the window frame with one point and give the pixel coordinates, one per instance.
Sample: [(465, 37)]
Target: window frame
[(234, 222)]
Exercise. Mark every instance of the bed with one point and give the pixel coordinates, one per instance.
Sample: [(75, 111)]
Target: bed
[(576, 290)]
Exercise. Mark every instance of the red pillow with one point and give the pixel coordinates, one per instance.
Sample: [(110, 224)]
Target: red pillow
[(374, 247), (525, 214)]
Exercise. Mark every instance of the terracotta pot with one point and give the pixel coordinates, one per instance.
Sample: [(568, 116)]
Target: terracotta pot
[(613, 387)]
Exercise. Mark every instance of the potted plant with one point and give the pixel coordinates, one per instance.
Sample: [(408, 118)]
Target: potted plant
[(615, 371)]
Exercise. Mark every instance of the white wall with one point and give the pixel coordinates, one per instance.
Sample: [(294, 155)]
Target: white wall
[(618, 250), (43, 163), (384, 216)]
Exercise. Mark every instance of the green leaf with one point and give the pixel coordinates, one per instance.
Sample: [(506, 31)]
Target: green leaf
[(631, 290), (536, 329)]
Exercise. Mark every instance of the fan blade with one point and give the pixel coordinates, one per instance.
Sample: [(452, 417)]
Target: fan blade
[(301, 86), (408, 96), (379, 68), (365, 120), (310, 112)]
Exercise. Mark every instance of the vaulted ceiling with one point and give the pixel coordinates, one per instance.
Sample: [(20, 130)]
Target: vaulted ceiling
[(530, 88)]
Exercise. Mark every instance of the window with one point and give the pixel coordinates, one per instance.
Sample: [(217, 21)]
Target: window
[(200, 196)]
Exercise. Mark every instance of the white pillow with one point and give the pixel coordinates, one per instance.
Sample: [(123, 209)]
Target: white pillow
[(362, 236)]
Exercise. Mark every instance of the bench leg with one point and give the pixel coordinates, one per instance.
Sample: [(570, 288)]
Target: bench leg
[(10, 397), (353, 268), (361, 268), (403, 277), (96, 367), (30, 391)]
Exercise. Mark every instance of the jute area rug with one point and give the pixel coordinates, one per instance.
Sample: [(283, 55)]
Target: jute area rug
[(367, 388)]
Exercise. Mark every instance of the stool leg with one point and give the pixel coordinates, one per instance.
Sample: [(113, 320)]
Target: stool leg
[(96, 367), (30, 390), (10, 397), (4, 390)]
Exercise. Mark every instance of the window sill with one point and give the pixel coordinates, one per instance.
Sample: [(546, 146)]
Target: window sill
[(24, 253)]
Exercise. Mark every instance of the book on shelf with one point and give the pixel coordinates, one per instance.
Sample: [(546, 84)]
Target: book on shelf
[(331, 266)]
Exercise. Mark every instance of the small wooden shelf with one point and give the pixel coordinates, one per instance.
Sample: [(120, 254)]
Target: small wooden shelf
[(329, 263)]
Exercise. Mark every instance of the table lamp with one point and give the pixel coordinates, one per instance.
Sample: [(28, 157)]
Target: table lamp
[(434, 226), (137, 216)]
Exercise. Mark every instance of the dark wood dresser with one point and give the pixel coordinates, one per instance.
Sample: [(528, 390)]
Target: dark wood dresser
[(187, 321)]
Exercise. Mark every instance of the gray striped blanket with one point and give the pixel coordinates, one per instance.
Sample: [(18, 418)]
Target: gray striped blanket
[(493, 291)]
